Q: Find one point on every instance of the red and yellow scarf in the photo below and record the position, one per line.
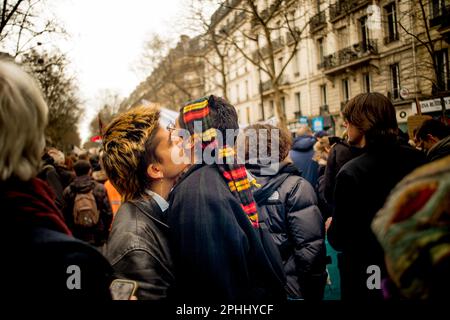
(234, 174)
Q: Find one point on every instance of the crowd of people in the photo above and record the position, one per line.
(150, 208)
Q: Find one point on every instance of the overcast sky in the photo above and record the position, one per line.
(107, 37)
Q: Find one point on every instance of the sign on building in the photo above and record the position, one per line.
(432, 105)
(303, 120)
(317, 124)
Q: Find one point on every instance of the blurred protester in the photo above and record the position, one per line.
(137, 158)
(115, 199)
(433, 137)
(340, 153)
(413, 228)
(288, 204)
(49, 174)
(87, 209)
(362, 186)
(66, 176)
(302, 153)
(321, 151)
(69, 162)
(220, 252)
(98, 174)
(43, 258)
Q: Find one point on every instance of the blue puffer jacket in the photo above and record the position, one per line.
(301, 154)
(288, 204)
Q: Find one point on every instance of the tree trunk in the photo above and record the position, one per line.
(224, 79)
(279, 108)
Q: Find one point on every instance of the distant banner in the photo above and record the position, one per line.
(96, 139)
(431, 105)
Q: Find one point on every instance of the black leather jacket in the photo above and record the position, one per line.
(138, 248)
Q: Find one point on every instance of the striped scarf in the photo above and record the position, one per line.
(235, 175)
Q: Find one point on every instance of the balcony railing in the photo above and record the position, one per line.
(297, 114)
(441, 17)
(349, 54)
(342, 7)
(278, 43)
(290, 35)
(324, 109)
(317, 22)
(267, 85)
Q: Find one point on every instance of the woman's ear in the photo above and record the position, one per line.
(154, 171)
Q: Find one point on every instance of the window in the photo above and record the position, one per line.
(438, 8)
(345, 90)
(391, 19)
(248, 115)
(366, 82)
(323, 94)
(283, 105)
(320, 50)
(237, 93)
(343, 38)
(296, 67)
(246, 90)
(280, 64)
(443, 77)
(272, 110)
(298, 101)
(395, 81)
(364, 33)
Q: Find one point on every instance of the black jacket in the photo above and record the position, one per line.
(289, 204)
(340, 154)
(362, 187)
(439, 150)
(138, 248)
(42, 268)
(218, 255)
(98, 234)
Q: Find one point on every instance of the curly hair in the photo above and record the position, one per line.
(129, 146)
(284, 141)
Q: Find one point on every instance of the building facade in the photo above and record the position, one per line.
(348, 47)
(322, 53)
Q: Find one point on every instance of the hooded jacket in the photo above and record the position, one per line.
(289, 205)
(301, 154)
(98, 234)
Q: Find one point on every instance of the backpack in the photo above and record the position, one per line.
(85, 212)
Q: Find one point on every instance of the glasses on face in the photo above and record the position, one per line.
(173, 133)
(171, 127)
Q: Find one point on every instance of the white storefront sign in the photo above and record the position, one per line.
(431, 105)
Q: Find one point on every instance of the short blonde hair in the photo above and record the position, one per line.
(23, 118)
(57, 155)
(129, 146)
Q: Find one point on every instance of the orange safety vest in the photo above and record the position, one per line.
(115, 199)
